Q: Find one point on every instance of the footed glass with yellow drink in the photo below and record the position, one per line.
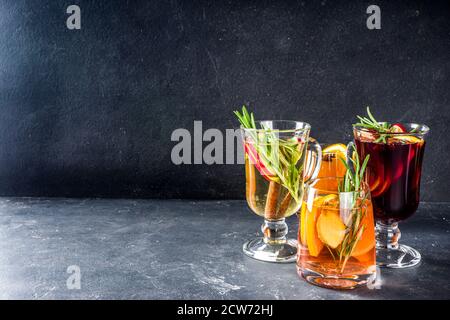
(275, 160)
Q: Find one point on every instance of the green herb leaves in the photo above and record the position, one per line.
(352, 179)
(382, 128)
(351, 187)
(279, 156)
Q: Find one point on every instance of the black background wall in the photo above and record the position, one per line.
(90, 112)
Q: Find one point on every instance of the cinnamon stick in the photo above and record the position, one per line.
(284, 205)
(270, 211)
(251, 185)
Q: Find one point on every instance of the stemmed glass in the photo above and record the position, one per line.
(393, 174)
(275, 154)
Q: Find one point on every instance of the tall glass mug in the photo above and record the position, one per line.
(275, 172)
(336, 236)
(393, 174)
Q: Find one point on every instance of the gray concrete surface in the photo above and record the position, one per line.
(152, 249)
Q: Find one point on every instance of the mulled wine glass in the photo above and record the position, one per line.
(393, 174)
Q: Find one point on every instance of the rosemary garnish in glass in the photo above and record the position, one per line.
(350, 192)
(279, 157)
(382, 128)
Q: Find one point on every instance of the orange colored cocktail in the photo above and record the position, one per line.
(336, 236)
(332, 156)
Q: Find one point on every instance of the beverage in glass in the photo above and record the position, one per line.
(336, 235)
(393, 173)
(275, 155)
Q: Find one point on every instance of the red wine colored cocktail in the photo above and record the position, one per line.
(393, 173)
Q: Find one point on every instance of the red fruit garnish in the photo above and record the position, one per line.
(398, 128)
(256, 161)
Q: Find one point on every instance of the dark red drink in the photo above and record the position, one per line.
(393, 173)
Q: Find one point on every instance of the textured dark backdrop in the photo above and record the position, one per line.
(90, 112)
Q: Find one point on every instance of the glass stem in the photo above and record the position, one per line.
(387, 235)
(274, 231)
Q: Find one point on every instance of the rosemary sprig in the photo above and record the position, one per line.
(352, 179)
(279, 156)
(352, 183)
(383, 128)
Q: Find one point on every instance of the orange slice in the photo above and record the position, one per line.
(308, 226)
(406, 139)
(332, 166)
(303, 220)
(312, 239)
(330, 228)
(336, 148)
(378, 183)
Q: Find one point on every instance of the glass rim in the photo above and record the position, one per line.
(424, 129)
(306, 126)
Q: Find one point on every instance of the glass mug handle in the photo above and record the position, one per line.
(313, 160)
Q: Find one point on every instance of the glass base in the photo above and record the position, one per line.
(282, 253)
(398, 258)
(334, 282)
(391, 254)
